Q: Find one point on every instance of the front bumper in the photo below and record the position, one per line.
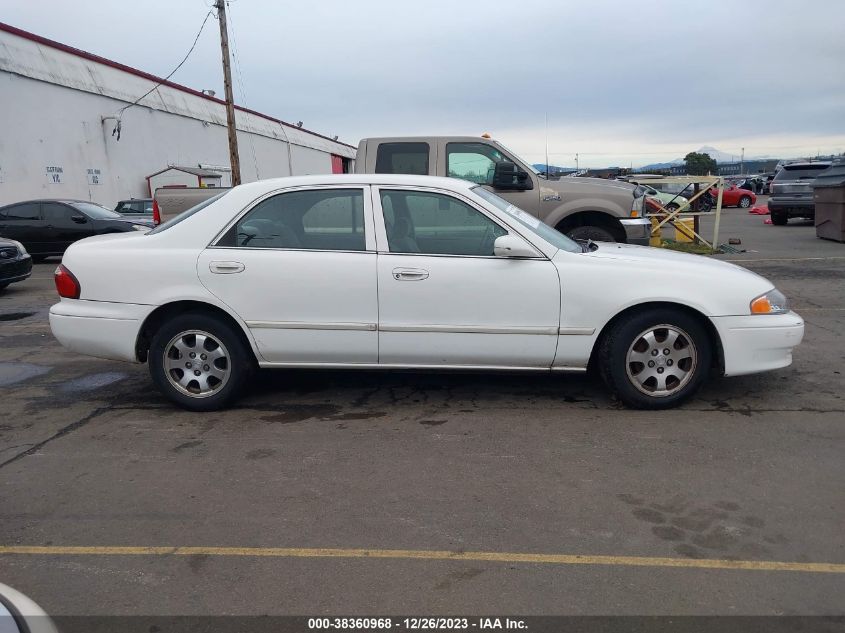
(15, 270)
(99, 328)
(637, 230)
(759, 342)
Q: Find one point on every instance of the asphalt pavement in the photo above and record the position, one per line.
(378, 493)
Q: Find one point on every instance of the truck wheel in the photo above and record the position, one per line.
(199, 362)
(655, 359)
(779, 218)
(745, 202)
(595, 233)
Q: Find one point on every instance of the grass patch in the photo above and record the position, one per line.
(687, 247)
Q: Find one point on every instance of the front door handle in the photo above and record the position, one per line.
(226, 268)
(409, 274)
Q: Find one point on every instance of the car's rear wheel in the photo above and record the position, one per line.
(745, 202)
(199, 361)
(595, 233)
(779, 217)
(656, 358)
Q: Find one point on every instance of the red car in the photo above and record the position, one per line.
(733, 196)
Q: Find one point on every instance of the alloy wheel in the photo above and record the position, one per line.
(661, 360)
(196, 363)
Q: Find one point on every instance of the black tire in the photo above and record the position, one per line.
(745, 202)
(37, 259)
(780, 218)
(3, 287)
(672, 206)
(625, 335)
(595, 233)
(238, 367)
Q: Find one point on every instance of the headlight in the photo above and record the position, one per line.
(20, 246)
(773, 302)
(140, 227)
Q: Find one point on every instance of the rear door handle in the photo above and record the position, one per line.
(226, 268)
(409, 274)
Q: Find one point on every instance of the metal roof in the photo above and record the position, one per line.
(37, 57)
(196, 171)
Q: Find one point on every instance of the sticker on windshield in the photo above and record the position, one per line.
(519, 214)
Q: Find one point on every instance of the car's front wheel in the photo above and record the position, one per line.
(655, 359)
(594, 233)
(199, 361)
(745, 202)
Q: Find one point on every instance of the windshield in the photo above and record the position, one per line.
(95, 211)
(521, 160)
(553, 237)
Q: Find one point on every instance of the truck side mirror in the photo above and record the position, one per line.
(509, 176)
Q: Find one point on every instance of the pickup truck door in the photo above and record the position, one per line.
(445, 299)
(475, 160)
(299, 267)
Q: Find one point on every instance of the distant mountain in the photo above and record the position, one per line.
(553, 169)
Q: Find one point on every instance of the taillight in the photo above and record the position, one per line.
(156, 213)
(67, 284)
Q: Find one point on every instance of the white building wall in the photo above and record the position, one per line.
(52, 132)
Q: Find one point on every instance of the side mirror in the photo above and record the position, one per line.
(19, 614)
(508, 176)
(512, 246)
(79, 218)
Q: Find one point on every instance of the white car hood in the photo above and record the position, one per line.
(620, 275)
(669, 260)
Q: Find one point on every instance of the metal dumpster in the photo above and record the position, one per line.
(829, 197)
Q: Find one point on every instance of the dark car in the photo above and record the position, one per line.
(136, 208)
(792, 191)
(48, 227)
(15, 262)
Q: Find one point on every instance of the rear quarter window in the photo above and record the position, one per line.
(402, 158)
(187, 213)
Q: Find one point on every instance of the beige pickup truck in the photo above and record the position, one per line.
(583, 208)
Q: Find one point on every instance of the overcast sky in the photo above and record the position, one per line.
(621, 82)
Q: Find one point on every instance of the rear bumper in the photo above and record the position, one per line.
(758, 343)
(99, 328)
(637, 230)
(795, 207)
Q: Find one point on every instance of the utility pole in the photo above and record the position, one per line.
(577, 168)
(220, 5)
(742, 163)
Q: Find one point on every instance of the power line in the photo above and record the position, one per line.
(173, 72)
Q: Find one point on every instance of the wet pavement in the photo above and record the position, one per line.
(751, 469)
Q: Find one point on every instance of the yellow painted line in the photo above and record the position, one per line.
(497, 557)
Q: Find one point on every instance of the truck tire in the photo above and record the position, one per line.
(595, 233)
(780, 218)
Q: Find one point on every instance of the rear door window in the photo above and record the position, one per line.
(25, 211)
(402, 158)
(322, 219)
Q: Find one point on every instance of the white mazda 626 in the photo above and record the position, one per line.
(388, 271)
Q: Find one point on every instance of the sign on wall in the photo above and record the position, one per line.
(54, 175)
(94, 176)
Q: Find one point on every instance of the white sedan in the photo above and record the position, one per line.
(394, 272)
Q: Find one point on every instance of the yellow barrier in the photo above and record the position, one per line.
(684, 228)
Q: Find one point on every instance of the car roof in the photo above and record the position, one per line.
(808, 164)
(452, 184)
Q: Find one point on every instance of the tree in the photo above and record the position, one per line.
(699, 164)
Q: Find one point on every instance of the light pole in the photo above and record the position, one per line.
(577, 168)
(742, 163)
